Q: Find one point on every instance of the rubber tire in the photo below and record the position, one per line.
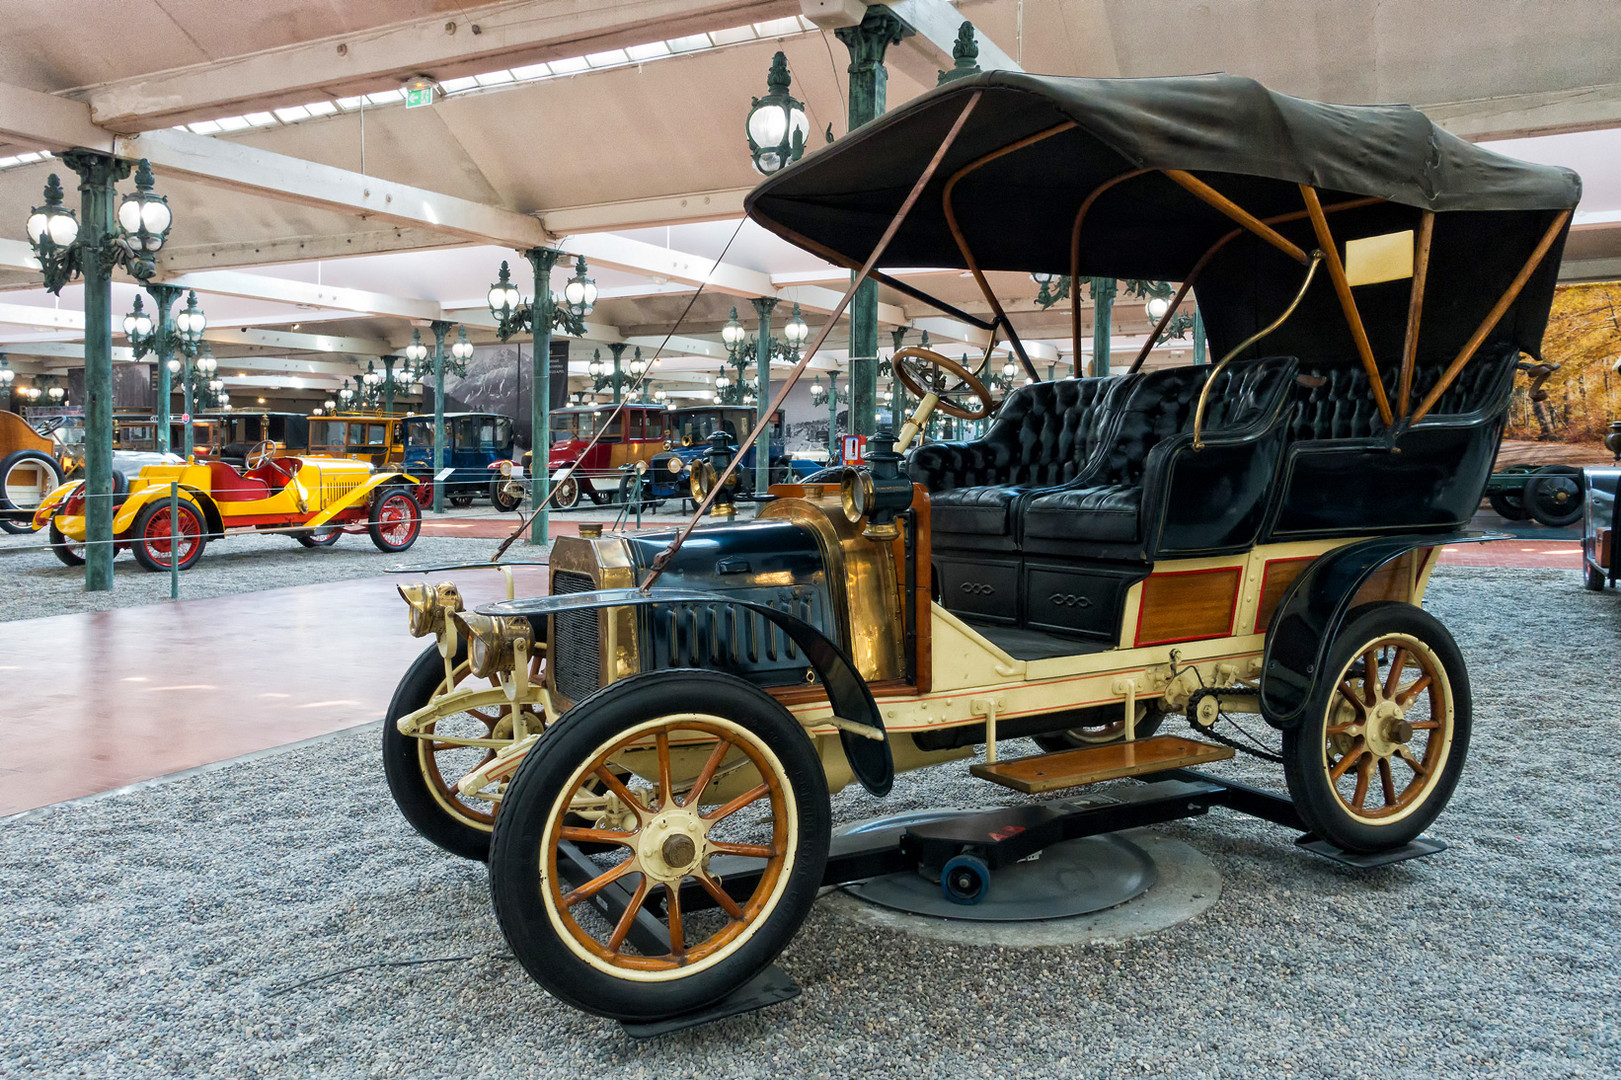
(17, 457)
(318, 538)
(160, 508)
(1552, 517)
(1313, 796)
(1059, 741)
(1508, 506)
(1594, 578)
(374, 526)
(515, 851)
(461, 502)
(62, 548)
(500, 501)
(16, 528)
(403, 772)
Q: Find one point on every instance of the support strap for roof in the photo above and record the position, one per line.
(1415, 309)
(1254, 224)
(962, 242)
(1342, 288)
(1466, 353)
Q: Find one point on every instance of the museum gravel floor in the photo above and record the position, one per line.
(175, 929)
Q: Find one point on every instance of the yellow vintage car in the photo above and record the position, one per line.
(313, 499)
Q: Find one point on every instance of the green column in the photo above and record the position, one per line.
(388, 384)
(440, 328)
(540, 324)
(762, 370)
(97, 175)
(189, 445)
(618, 377)
(867, 43)
(164, 298)
(1103, 290)
(832, 416)
(1198, 336)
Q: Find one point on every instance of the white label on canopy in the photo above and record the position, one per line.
(1373, 259)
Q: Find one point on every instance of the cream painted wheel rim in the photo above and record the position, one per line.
(1386, 740)
(438, 756)
(668, 846)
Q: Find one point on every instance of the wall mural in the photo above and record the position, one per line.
(1584, 395)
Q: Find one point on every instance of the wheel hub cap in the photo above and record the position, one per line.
(1387, 729)
(671, 845)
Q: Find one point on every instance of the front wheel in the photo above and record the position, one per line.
(396, 520)
(724, 785)
(159, 539)
(503, 499)
(67, 552)
(566, 494)
(1384, 739)
(1508, 505)
(1553, 495)
(319, 538)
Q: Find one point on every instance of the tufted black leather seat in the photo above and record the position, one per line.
(1128, 481)
(1042, 438)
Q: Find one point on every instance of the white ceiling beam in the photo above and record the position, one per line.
(1516, 116)
(485, 39)
(44, 317)
(281, 339)
(817, 298)
(640, 257)
(236, 167)
(642, 213)
(284, 290)
(937, 23)
(71, 350)
(677, 345)
(17, 255)
(48, 122)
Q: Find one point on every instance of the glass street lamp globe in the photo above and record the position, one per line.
(733, 333)
(329, 404)
(53, 222)
(503, 295)
(56, 394)
(1009, 370)
(796, 331)
(1156, 307)
(173, 364)
(137, 324)
(1043, 278)
(776, 125)
(208, 365)
(462, 349)
(416, 352)
(143, 216)
(6, 374)
(580, 292)
(818, 391)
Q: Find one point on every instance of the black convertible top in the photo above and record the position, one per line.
(1250, 144)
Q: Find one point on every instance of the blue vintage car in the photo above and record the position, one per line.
(670, 473)
(474, 441)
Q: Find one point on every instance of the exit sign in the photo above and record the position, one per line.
(415, 97)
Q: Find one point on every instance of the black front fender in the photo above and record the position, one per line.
(847, 692)
(1315, 607)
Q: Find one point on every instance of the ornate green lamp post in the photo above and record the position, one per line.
(776, 124)
(831, 393)
(164, 340)
(128, 236)
(540, 316)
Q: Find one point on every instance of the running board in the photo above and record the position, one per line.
(1094, 764)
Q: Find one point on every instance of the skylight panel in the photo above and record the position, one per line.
(777, 27)
(292, 114)
(607, 59)
(733, 36)
(651, 51)
(205, 127)
(321, 108)
(494, 78)
(260, 119)
(691, 43)
(385, 97)
(570, 65)
(531, 71)
(233, 123)
(451, 86)
(348, 103)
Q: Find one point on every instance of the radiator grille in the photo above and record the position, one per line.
(576, 652)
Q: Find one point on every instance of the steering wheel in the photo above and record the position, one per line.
(929, 389)
(263, 453)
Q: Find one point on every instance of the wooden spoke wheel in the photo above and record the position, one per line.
(1105, 725)
(423, 771)
(566, 494)
(1379, 753)
(723, 781)
(396, 520)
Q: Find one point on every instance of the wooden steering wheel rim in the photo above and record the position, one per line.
(939, 360)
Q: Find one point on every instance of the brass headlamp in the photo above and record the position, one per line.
(427, 606)
(879, 493)
(493, 641)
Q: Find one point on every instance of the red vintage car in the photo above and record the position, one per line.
(635, 435)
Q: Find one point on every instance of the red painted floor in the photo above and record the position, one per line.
(101, 700)
(93, 705)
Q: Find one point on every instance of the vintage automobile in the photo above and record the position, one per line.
(139, 434)
(475, 442)
(645, 756)
(669, 474)
(314, 500)
(1601, 518)
(238, 431)
(609, 438)
(372, 437)
(32, 465)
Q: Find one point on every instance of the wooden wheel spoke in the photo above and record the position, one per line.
(727, 810)
(672, 905)
(1349, 693)
(617, 786)
(1411, 758)
(666, 796)
(1354, 727)
(1405, 695)
(753, 851)
(715, 758)
(484, 718)
(720, 895)
(600, 882)
(1387, 781)
(626, 920)
(1397, 661)
(1352, 756)
(1426, 725)
(1370, 675)
(1360, 797)
(579, 834)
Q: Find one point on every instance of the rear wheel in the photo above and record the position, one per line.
(643, 929)
(1508, 505)
(504, 499)
(566, 494)
(319, 538)
(1553, 495)
(461, 501)
(1105, 730)
(26, 477)
(396, 520)
(1383, 742)
(156, 538)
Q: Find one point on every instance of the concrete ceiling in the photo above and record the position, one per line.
(651, 154)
